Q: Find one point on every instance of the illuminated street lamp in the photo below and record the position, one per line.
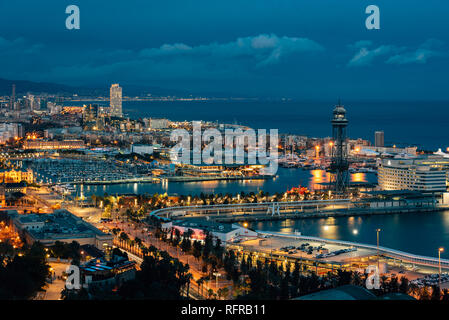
(216, 274)
(439, 267)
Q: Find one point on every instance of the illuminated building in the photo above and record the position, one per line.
(16, 176)
(116, 100)
(60, 226)
(419, 174)
(10, 131)
(90, 113)
(53, 145)
(225, 232)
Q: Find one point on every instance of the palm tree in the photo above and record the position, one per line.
(188, 278)
(210, 293)
(200, 282)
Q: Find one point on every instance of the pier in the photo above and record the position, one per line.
(293, 210)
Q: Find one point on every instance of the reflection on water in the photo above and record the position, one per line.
(318, 177)
(358, 177)
(321, 176)
(287, 178)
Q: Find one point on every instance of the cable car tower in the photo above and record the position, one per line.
(339, 162)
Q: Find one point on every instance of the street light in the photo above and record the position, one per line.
(216, 274)
(439, 267)
(378, 256)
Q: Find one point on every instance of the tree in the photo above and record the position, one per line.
(186, 245)
(123, 236)
(424, 293)
(436, 293)
(25, 274)
(200, 282)
(404, 287)
(210, 293)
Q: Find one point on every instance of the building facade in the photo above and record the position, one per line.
(62, 226)
(53, 145)
(417, 174)
(116, 100)
(16, 176)
(379, 139)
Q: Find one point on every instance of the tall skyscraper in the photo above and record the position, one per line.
(379, 138)
(12, 99)
(116, 100)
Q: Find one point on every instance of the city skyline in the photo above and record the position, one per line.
(251, 151)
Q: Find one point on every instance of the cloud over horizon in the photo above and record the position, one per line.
(365, 53)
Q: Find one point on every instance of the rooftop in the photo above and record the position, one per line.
(347, 292)
(205, 225)
(59, 225)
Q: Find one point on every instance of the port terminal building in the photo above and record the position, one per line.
(424, 174)
(223, 231)
(62, 226)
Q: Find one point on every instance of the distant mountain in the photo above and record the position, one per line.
(24, 86)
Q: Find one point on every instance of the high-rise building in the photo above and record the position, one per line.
(116, 100)
(90, 113)
(13, 98)
(379, 139)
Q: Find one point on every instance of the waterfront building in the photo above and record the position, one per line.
(62, 226)
(424, 174)
(116, 100)
(386, 151)
(16, 176)
(379, 139)
(15, 187)
(225, 232)
(53, 145)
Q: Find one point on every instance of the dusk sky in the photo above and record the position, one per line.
(300, 49)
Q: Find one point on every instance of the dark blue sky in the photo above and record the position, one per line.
(301, 49)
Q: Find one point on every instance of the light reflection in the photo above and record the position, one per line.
(329, 231)
(358, 177)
